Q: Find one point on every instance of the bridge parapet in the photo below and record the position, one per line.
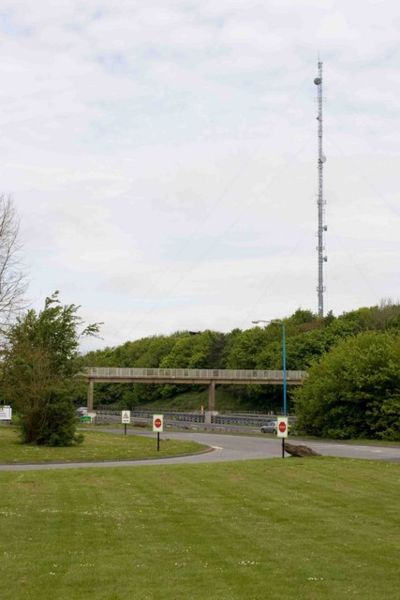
(209, 377)
(155, 375)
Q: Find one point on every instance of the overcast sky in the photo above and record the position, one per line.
(162, 156)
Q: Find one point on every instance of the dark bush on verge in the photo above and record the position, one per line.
(353, 391)
(53, 426)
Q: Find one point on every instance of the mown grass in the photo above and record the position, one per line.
(96, 446)
(297, 529)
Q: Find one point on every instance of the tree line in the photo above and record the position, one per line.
(353, 388)
(353, 362)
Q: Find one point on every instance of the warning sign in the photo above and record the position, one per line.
(126, 417)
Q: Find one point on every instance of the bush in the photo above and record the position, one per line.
(354, 390)
(53, 426)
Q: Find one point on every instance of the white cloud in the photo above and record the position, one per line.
(162, 156)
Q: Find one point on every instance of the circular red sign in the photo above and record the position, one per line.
(282, 426)
(157, 423)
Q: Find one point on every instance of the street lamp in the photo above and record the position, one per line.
(282, 324)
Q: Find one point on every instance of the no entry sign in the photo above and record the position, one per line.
(158, 423)
(282, 428)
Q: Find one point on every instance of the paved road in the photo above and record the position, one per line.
(228, 448)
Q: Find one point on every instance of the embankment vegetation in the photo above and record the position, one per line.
(352, 360)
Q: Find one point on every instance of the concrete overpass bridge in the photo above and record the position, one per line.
(209, 377)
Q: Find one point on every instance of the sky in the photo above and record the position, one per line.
(162, 157)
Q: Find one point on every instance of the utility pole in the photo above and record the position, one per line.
(321, 226)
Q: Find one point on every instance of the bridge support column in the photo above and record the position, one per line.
(90, 395)
(211, 396)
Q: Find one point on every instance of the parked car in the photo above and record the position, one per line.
(269, 427)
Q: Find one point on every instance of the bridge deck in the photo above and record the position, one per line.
(206, 376)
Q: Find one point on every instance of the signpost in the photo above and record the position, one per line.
(158, 427)
(125, 419)
(282, 431)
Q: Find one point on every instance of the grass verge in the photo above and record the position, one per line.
(297, 529)
(95, 447)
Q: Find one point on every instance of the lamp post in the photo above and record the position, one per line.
(282, 324)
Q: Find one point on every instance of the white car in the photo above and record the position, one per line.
(269, 427)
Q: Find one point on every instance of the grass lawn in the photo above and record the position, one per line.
(96, 446)
(299, 529)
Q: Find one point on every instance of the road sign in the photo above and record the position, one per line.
(126, 416)
(5, 413)
(158, 423)
(282, 428)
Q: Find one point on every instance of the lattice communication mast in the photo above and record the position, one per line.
(321, 226)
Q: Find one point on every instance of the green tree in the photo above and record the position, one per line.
(40, 362)
(354, 390)
(192, 351)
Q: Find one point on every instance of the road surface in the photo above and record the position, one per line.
(227, 448)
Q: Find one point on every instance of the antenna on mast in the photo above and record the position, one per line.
(321, 227)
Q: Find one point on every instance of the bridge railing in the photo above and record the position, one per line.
(206, 374)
